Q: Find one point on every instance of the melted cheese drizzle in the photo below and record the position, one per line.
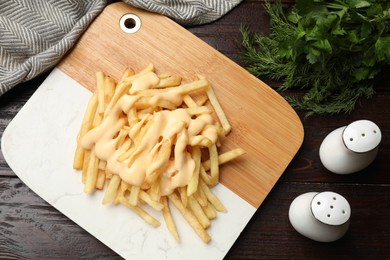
(176, 126)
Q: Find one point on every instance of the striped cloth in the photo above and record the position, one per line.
(34, 35)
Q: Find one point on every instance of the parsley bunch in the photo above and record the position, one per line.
(333, 49)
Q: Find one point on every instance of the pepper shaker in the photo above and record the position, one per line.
(321, 216)
(351, 148)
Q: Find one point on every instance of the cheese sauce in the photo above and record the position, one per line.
(177, 126)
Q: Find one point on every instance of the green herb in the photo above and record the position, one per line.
(333, 50)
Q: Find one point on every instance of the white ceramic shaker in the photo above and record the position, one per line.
(350, 148)
(321, 216)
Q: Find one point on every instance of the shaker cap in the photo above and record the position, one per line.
(330, 208)
(362, 136)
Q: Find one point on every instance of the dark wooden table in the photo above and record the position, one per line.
(32, 229)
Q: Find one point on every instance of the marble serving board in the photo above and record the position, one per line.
(40, 141)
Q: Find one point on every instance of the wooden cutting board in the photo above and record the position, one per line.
(263, 124)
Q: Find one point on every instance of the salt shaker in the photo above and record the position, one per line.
(321, 216)
(350, 148)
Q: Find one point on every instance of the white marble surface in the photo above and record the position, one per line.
(39, 145)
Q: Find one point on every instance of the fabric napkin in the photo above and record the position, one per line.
(34, 35)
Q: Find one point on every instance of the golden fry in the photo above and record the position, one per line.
(192, 186)
(187, 99)
(191, 219)
(198, 110)
(85, 127)
(212, 198)
(183, 195)
(101, 179)
(87, 155)
(214, 165)
(224, 158)
(111, 190)
(169, 219)
(134, 191)
(100, 89)
(169, 81)
(148, 200)
(218, 109)
(198, 212)
(210, 211)
(92, 172)
(141, 212)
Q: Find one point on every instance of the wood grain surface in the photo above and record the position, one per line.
(263, 123)
(32, 229)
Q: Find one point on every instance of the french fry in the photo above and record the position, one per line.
(200, 140)
(111, 190)
(198, 212)
(160, 162)
(198, 110)
(154, 191)
(85, 127)
(210, 211)
(109, 90)
(87, 155)
(168, 81)
(100, 89)
(169, 219)
(148, 200)
(214, 165)
(191, 219)
(187, 99)
(141, 212)
(120, 90)
(123, 187)
(124, 86)
(134, 192)
(92, 172)
(200, 196)
(192, 186)
(212, 198)
(126, 74)
(224, 158)
(200, 84)
(101, 179)
(218, 110)
(183, 195)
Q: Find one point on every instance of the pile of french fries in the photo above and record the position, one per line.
(196, 200)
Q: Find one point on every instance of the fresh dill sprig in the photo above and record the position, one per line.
(331, 49)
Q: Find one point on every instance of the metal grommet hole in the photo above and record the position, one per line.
(130, 23)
